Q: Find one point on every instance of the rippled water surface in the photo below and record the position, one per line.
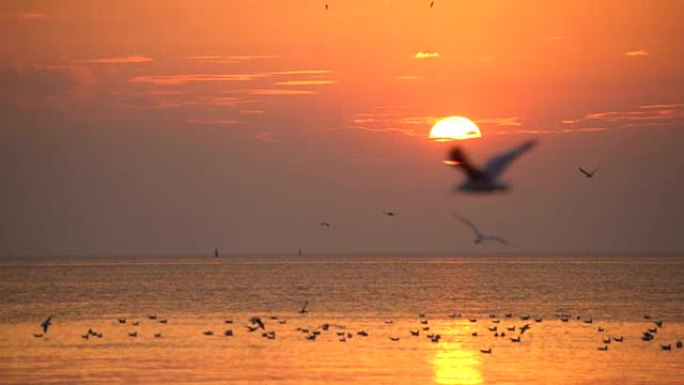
(381, 295)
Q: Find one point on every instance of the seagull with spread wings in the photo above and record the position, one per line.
(486, 180)
(480, 237)
(587, 173)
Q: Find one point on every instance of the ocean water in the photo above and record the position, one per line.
(383, 296)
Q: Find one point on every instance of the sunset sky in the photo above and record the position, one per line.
(173, 127)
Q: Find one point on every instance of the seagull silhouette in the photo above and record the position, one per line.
(46, 324)
(432, 4)
(390, 213)
(304, 309)
(587, 173)
(486, 180)
(326, 6)
(480, 237)
(324, 224)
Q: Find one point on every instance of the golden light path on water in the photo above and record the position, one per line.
(455, 365)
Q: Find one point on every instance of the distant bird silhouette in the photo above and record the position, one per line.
(486, 351)
(228, 333)
(163, 321)
(618, 339)
(603, 348)
(394, 338)
(133, 334)
(390, 213)
(362, 333)
(152, 317)
(157, 335)
(257, 321)
(326, 6)
(136, 323)
(659, 323)
(304, 309)
(480, 237)
(666, 347)
(601, 329)
(587, 173)
(122, 320)
(228, 321)
(432, 4)
(415, 332)
(46, 324)
(516, 339)
(486, 180)
(679, 344)
(208, 333)
(474, 334)
(324, 224)
(38, 335)
(282, 322)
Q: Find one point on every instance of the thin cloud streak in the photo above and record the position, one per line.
(280, 92)
(118, 60)
(305, 82)
(640, 52)
(212, 122)
(426, 55)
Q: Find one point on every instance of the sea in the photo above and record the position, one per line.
(342, 320)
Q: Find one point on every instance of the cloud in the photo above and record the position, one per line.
(426, 55)
(408, 77)
(298, 72)
(280, 92)
(266, 136)
(212, 122)
(648, 115)
(305, 82)
(226, 59)
(508, 121)
(29, 16)
(194, 78)
(31, 85)
(119, 60)
(251, 112)
(640, 52)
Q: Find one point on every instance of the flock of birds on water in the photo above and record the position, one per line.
(513, 332)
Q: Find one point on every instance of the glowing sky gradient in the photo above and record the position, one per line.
(179, 126)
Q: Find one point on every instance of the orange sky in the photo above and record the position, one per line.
(222, 92)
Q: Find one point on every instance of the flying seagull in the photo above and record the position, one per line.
(480, 237)
(46, 324)
(390, 213)
(432, 3)
(324, 224)
(587, 173)
(486, 180)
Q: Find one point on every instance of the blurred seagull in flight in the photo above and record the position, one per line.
(587, 173)
(390, 213)
(324, 224)
(486, 180)
(480, 237)
(432, 4)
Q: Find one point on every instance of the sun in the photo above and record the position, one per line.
(454, 128)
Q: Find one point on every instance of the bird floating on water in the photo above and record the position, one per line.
(46, 324)
(486, 180)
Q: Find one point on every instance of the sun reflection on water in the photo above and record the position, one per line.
(454, 365)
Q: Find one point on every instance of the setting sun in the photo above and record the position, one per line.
(454, 128)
